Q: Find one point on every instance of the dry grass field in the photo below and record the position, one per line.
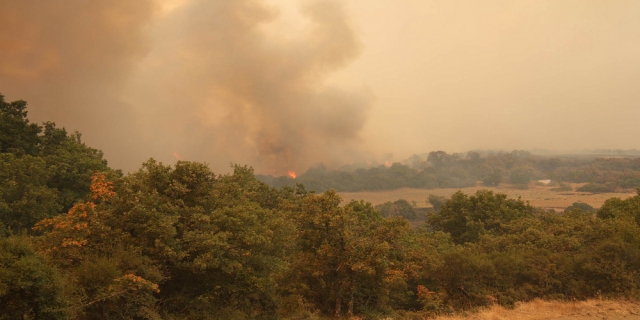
(548, 310)
(537, 195)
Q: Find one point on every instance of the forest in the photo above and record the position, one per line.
(79, 240)
(441, 170)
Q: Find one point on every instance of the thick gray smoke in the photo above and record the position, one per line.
(207, 81)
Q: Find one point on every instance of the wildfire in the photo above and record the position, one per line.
(387, 164)
(292, 174)
(177, 156)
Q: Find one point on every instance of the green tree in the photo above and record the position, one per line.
(436, 201)
(43, 170)
(17, 135)
(109, 277)
(581, 206)
(466, 218)
(399, 208)
(25, 197)
(71, 164)
(221, 239)
(493, 178)
(29, 287)
(347, 257)
(618, 208)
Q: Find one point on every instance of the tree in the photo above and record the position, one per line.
(399, 208)
(43, 170)
(580, 206)
(29, 287)
(25, 197)
(438, 158)
(621, 209)
(71, 164)
(436, 201)
(220, 239)
(110, 279)
(519, 178)
(466, 218)
(492, 179)
(345, 255)
(17, 135)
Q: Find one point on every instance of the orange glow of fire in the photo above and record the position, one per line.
(177, 156)
(292, 174)
(387, 164)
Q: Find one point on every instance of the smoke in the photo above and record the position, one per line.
(70, 60)
(212, 81)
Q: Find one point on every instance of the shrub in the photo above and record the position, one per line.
(597, 188)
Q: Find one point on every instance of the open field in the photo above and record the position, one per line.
(551, 310)
(537, 195)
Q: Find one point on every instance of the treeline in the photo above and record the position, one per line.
(180, 242)
(442, 170)
(43, 169)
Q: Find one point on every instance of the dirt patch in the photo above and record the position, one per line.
(539, 196)
(552, 310)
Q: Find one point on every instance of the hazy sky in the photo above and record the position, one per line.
(285, 84)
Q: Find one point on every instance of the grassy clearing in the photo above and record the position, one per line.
(539, 196)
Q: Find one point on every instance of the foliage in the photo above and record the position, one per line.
(492, 179)
(346, 256)
(29, 287)
(581, 206)
(81, 241)
(467, 218)
(399, 208)
(439, 169)
(597, 188)
(17, 135)
(43, 170)
(436, 201)
(25, 197)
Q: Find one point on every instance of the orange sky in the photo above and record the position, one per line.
(285, 84)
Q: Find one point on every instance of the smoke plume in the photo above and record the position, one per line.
(211, 81)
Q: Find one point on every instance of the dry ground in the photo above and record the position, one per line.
(548, 310)
(537, 195)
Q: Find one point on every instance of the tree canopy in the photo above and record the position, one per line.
(79, 240)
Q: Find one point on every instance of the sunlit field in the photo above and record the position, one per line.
(537, 195)
(546, 310)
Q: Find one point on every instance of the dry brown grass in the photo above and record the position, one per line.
(539, 196)
(544, 310)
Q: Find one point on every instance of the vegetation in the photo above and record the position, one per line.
(399, 208)
(567, 310)
(442, 170)
(82, 241)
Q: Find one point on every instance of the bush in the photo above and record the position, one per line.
(519, 178)
(597, 188)
(29, 287)
(492, 179)
(580, 206)
(562, 188)
(399, 208)
(436, 201)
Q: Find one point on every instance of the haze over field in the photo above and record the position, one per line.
(285, 84)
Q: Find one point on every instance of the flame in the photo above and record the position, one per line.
(292, 174)
(177, 156)
(387, 164)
